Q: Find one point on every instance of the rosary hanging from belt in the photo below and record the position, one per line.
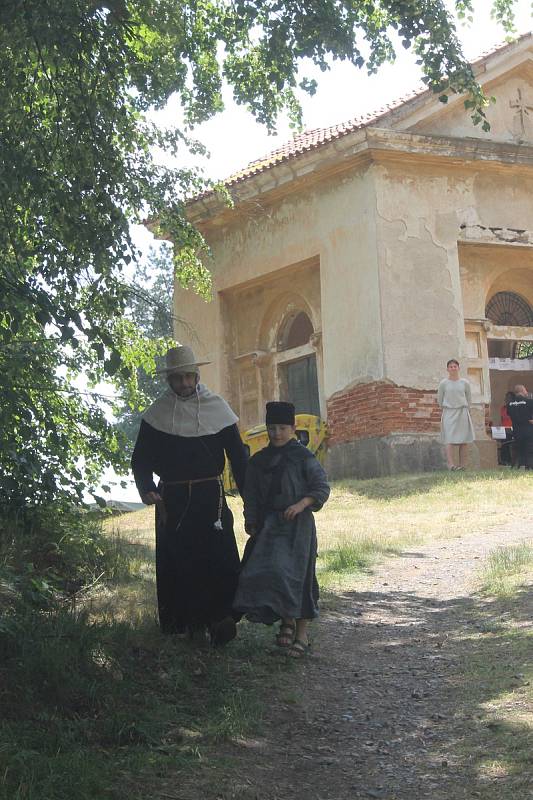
(218, 524)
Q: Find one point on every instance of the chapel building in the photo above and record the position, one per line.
(357, 259)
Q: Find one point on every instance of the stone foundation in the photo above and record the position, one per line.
(400, 452)
(381, 429)
(387, 455)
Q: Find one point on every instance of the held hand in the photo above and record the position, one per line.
(150, 498)
(292, 511)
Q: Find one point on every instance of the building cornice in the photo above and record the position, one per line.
(385, 143)
(282, 179)
(371, 145)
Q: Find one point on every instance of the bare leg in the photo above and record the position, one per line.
(449, 455)
(301, 630)
(301, 640)
(463, 449)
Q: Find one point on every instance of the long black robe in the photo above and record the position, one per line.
(197, 566)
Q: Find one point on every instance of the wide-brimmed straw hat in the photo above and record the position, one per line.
(181, 359)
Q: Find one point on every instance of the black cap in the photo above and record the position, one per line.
(279, 413)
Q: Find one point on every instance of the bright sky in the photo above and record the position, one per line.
(234, 138)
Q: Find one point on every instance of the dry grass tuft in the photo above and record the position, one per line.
(365, 520)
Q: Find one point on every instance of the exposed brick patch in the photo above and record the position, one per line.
(381, 408)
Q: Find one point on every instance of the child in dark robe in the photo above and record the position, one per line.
(284, 485)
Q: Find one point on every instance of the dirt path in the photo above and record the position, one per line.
(384, 707)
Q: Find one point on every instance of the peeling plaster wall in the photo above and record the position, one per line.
(503, 198)
(333, 222)
(429, 282)
(417, 229)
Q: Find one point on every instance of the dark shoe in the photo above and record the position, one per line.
(223, 632)
(173, 630)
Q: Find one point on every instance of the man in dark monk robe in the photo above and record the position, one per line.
(183, 438)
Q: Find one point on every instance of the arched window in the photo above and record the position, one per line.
(508, 308)
(295, 331)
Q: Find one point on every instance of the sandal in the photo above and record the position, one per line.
(298, 649)
(285, 635)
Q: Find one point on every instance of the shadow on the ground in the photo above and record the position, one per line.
(405, 698)
(445, 672)
(409, 554)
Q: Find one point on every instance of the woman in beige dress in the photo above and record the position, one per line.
(454, 397)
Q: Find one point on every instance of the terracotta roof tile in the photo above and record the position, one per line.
(311, 139)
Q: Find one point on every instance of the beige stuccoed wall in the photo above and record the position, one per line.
(332, 223)
(425, 294)
(418, 218)
(197, 323)
(507, 124)
(350, 289)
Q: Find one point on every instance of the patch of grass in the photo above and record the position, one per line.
(126, 558)
(97, 704)
(498, 676)
(336, 567)
(419, 507)
(507, 569)
(365, 520)
(106, 709)
(498, 681)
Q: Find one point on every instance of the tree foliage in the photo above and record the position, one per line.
(77, 168)
(150, 306)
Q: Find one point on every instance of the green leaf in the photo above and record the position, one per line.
(112, 364)
(66, 333)
(43, 317)
(79, 83)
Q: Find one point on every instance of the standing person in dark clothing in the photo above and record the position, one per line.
(285, 484)
(183, 439)
(520, 409)
(505, 455)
